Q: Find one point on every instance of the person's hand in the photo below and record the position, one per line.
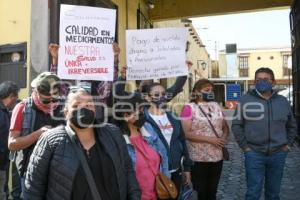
(219, 142)
(187, 180)
(226, 139)
(189, 64)
(286, 148)
(124, 72)
(53, 49)
(40, 131)
(247, 149)
(116, 49)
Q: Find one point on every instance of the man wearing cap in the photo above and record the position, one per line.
(33, 116)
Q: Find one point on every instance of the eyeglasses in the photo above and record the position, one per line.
(47, 101)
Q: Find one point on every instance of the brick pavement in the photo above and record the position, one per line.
(233, 186)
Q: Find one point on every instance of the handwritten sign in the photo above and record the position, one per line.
(86, 38)
(156, 53)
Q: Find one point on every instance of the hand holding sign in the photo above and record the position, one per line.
(53, 50)
(116, 49)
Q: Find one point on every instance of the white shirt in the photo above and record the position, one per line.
(165, 126)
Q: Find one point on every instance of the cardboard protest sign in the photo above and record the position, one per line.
(86, 38)
(156, 53)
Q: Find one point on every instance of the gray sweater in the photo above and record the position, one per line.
(264, 125)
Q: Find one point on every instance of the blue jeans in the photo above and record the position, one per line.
(262, 168)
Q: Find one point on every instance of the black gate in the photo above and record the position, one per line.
(295, 37)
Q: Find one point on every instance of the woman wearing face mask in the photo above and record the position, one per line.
(148, 155)
(168, 129)
(205, 148)
(57, 171)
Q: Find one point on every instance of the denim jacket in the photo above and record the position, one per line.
(154, 141)
(177, 152)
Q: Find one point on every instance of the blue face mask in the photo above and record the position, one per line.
(263, 86)
(209, 96)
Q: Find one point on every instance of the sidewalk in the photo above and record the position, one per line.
(233, 185)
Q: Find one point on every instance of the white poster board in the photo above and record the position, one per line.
(86, 37)
(156, 53)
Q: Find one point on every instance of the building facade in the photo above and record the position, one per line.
(15, 17)
(249, 60)
(30, 25)
(246, 61)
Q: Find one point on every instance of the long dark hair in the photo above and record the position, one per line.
(122, 108)
(197, 87)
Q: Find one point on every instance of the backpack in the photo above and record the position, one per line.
(21, 157)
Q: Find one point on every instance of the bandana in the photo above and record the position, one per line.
(48, 109)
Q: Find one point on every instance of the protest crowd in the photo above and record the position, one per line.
(61, 147)
(93, 139)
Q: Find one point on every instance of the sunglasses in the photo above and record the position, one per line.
(47, 101)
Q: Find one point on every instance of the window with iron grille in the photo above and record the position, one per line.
(13, 63)
(243, 62)
(243, 66)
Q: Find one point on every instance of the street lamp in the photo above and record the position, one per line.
(203, 65)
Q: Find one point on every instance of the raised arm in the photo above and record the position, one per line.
(177, 87)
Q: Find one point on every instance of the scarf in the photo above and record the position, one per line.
(47, 109)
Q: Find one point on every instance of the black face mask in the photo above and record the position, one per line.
(82, 118)
(141, 121)
(160, 102)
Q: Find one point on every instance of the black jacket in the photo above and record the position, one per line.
(4, 129)
(53, 165)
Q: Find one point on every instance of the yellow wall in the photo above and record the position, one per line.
(265, 61)
(253, 63)
(15, 27)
